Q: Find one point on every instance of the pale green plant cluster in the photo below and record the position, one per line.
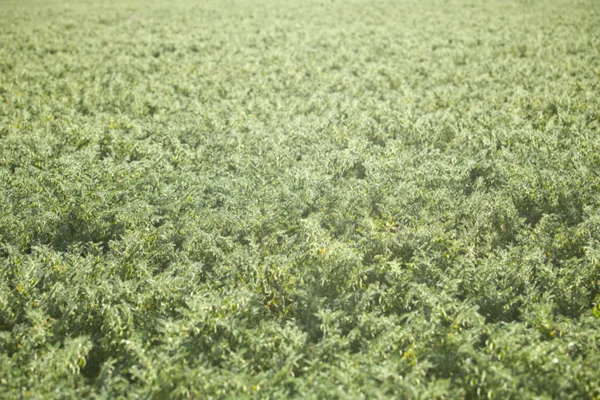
(307, 199)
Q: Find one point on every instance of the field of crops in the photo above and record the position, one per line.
(300, 199)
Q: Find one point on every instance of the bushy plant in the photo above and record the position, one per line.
(392, 199)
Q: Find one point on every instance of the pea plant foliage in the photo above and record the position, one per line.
(309, 199)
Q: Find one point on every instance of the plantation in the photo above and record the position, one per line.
(305, 199)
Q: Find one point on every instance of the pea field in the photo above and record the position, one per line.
(316, 199)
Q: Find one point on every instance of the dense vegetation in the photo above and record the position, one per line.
(318, 199)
